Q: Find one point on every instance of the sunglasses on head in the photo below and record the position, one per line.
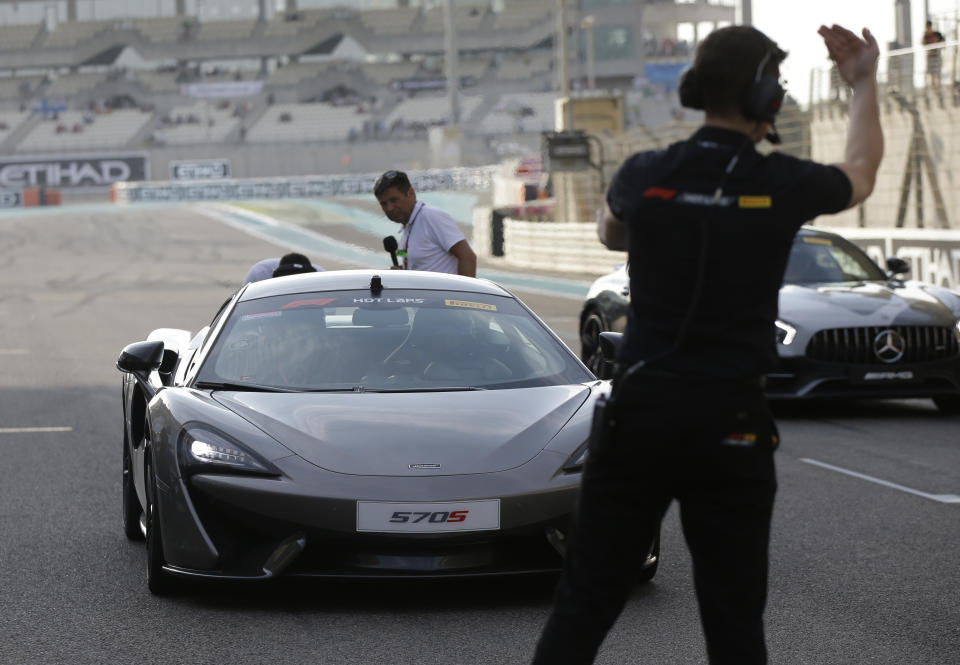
(386, 179)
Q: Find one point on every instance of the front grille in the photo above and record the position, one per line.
(855, 345)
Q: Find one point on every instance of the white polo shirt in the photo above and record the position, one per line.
(427, 238)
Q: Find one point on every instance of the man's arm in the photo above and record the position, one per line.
(856, 61)
(466, 259)
(611, 231)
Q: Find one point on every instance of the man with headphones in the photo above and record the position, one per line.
(708, 223)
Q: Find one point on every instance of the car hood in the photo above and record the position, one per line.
(386, 433)
(864, 304)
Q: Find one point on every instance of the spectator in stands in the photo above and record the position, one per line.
(934, 56)
(288, 264)
(430, 240)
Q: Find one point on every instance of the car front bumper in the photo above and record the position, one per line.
(304, 524)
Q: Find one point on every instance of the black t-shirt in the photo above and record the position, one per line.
(668, 201)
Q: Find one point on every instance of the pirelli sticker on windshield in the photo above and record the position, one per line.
(754, 201)
(812, 240)
(470, 305)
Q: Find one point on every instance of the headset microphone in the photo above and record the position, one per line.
(390, 244)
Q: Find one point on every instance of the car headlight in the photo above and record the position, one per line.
(203, 449)
(957, 327)
(575, 462)
(785, 332)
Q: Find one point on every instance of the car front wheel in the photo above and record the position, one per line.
(590, 331)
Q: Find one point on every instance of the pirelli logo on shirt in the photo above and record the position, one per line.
(756, 201)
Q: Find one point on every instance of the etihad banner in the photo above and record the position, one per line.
(72, 171)
(459, 179)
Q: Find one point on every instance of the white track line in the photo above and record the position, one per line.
(33, 430)
(941, 498)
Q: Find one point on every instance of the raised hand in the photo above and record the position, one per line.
(856, 58)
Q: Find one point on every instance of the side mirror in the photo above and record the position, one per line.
(141, 357)
(610, 345)
(897, 266)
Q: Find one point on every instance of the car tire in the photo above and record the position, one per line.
(651, 562)
(948, 404)
(159, 581)
(131, 510)
(590, 330)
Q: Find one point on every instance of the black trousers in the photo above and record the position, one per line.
(710, 447)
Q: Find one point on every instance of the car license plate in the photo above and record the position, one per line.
(395, 517)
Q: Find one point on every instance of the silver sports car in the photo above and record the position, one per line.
(347, 424)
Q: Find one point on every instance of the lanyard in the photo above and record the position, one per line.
(407, 229)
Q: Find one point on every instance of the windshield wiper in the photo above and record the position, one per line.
(250, 387)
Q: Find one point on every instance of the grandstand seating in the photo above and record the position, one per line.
(16, 37)
(10, 87)
(521, 112)
(384, 73)
(159, 82)
(226, 30)
(161, 30)
(67, 86)
(296, 72)
(430, 109)
(308, 122)
(279, 26)
(109, 130)
(69, 33)
(390, 21)
(465, 19)
(522, 14)
(10, 120)
(476, 67)
(200, 122)
(524, 67)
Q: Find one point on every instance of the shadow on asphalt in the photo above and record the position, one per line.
(884, 409)
(374, 595)
(495, 593)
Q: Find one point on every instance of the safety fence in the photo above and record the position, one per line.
(457, 179)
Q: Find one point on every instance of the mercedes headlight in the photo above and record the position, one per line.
(785, 332)
(203, 449)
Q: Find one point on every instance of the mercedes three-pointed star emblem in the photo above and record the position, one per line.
(889, 346)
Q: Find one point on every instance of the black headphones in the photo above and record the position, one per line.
(761, 100)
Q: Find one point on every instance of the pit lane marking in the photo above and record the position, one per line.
(33, 430)
(940, 498)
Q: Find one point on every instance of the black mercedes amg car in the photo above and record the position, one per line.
(846, 327)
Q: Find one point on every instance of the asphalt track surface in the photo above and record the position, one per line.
(862, 571)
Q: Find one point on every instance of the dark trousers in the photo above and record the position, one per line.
(710, 447)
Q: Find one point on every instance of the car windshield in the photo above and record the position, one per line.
(405, 341)
(828, 260)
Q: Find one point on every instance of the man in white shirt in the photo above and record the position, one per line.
(429, 239)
